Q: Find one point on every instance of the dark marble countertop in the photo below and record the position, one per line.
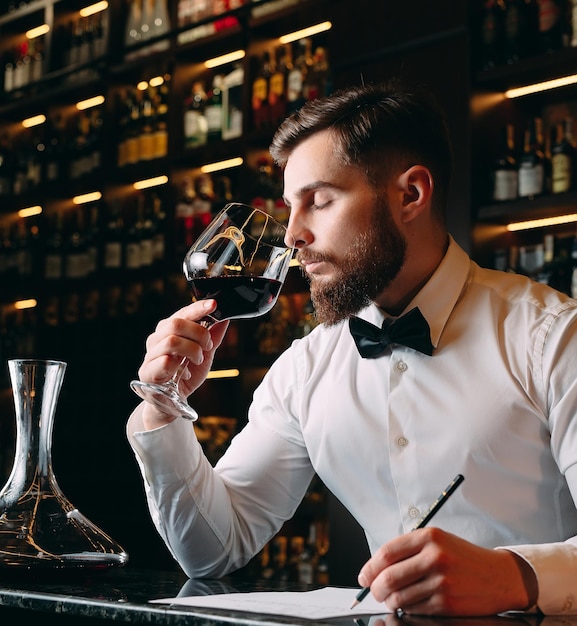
(123, 595)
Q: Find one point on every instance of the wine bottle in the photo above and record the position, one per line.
(232, 102)
(492, 34)
(195, 125)
(521, 29)
(259, 91)
(6, 170)
(159, 228)
(133, 130)
(54, 154)
(296, 79)
(184, 217)
(563, 158)
(92, 238)
(160, 24)
(113, 252)
(53, 252)
(531, 165)
(160, 132)
(145, 132)
(75, 253)
(213, 109)
(202, 203)
(505, 175)
(277, 87)
(133, 250)
(146, 233)
(552, 33)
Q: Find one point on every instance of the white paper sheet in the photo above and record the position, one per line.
(319, 604)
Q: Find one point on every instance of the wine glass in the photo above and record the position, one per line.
(241, 261)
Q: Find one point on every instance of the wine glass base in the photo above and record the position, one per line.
(165, 398)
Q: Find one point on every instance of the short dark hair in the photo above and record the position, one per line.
(376, 127)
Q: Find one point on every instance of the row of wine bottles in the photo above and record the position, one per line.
(149, 228)
(510, 30)
(545, 162)
(82, 243)
(552, 261)
(76, 42)
(50, 154)
(189, 12)
(71, 148)
(282, 79)
(88, 322)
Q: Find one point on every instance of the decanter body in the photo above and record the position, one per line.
(39, 526)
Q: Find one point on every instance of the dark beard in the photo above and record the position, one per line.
(368, 268)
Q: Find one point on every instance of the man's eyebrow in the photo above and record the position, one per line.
(306, 189)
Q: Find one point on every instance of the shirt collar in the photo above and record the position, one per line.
(438, 296)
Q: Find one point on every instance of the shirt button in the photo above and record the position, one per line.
(414, 512)
(402, 442)
(402, 366)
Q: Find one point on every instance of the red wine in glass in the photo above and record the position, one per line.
(237, 297)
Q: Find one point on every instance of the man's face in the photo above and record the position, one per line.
(348, 243)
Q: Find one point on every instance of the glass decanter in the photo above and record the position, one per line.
(39, 527)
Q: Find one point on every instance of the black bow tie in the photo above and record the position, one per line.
(411, 330)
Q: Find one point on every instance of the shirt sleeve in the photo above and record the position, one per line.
(555, 564)
(214, 520)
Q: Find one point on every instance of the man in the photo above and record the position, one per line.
(490, 392)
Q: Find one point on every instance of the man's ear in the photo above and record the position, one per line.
(416, 185)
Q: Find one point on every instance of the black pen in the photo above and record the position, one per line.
(437, 504)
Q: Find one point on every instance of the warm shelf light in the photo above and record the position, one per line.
(25, 304)
(225, 58)
(34, 121)
(540, 223)
(156, 81)
(90, 102)
(38, 31)
(30, 211)
(221, 165)
(232, 373)
(549, 84)
(94, 8)
(142, 85)
(151, 182)
(306, 32)
(93, 196)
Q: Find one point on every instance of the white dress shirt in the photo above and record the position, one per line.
(496, 402)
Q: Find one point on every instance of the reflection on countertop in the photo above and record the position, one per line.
(123, 595)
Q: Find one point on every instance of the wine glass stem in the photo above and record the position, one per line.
(173, 382)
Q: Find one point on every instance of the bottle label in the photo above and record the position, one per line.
(113, 255)
(294, 85)
(160, 143)
(561, 166)
(146, 146)
(531, 180)
(133, 260)
(146, 252)
(259, 93)
(132, 146)
(76, 265)
(506, 184)
(213, 115)
(549, 14)
(195, 129)
(53, 267)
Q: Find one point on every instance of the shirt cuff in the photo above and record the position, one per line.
(554, 565)
(169, 452)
